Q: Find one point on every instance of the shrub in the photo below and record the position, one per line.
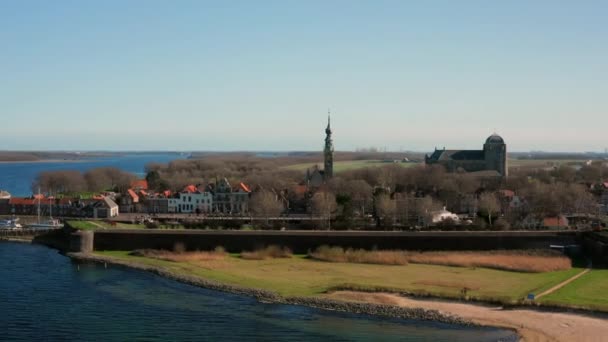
(338, 254)
(218, 254)
(179, 247)
(521, 261)
(152, 225)
(270, 252)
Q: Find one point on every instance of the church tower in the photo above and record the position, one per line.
(495, 153)
(328, 152)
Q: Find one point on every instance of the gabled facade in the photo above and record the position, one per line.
(192, 199)
(228, 200)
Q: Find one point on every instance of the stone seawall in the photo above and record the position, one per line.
(596, 246)
(302, 241)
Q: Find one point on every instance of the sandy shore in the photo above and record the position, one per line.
(530, 324)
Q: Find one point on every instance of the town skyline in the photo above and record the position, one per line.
(243, 76)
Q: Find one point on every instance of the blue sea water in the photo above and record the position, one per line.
(17, 178)
(46, 297)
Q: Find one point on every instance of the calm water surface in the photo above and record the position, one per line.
(44, 296)
(17, 178)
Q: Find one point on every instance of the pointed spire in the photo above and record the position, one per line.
(328, 129)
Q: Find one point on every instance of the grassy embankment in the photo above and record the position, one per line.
(589, 291)
(347, 165)
(301, 276)
(93, 225)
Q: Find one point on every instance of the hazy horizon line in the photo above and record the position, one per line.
(273, 151)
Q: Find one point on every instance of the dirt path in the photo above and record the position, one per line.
(530, 324)
(563, 283)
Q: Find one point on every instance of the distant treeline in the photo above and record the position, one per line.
(16, 156)
(68, 182)
(552, 156)
(35, 156)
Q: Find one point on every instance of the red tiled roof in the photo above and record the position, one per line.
(38, 196)
(22, 201)
(143, 192)
(167, 193)
(300, 189)
(140, 184)
(244, 187)
(190, 189)
(133, 195)
(555, 221)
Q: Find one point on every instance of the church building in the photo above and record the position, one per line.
(493, 157)
(316, 177)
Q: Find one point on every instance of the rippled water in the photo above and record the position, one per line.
(44, 296)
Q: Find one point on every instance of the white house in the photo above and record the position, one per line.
(442, 215)
(192, 200)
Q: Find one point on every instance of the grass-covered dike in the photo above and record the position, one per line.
(302, 276)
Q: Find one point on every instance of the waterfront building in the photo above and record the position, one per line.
(129, 202)
(193, 200)
(228, 200)
(104, 208)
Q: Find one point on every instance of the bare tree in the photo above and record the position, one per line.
(265, 203)
(59, 182)
(405, 206)
(360, 193)
(324, 204)
(489, 205)
(424, 208)
(386, 208)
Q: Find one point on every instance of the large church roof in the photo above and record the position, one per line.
(495, 139)
(457, 155)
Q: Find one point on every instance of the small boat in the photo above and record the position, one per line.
(47, 224)
(51, 223)
(10, 224)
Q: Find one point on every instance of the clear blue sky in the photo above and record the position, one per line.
(260, 75)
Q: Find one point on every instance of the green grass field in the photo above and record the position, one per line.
(299, 276)
(542, 163)
(589, 291)
(92, 225)
(347, 165)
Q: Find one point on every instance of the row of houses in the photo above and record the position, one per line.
(219, 197)
(97, 207)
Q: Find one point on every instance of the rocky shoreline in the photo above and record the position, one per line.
(271, 297)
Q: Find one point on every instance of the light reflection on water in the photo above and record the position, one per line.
(44, 296)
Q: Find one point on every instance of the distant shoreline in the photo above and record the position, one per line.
(42, 161)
